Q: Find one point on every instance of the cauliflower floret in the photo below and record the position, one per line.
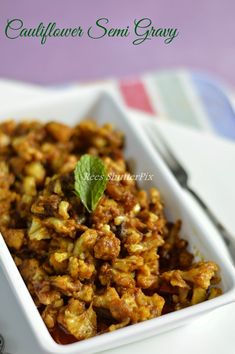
(107, 246)
(25, 147)
(199, 295)
(59, 261)
(147, 306)
(37, 231)
(4, 140)
(63, 209)
(31, 270)
(128, 264)
(197, 279)
(46, 205)
(78, 321)
(110, 275)
(45, 293)
(175, 278)
(66, 284)
(148, 242)
(145, 277)
(59, 131)
(85, 243)
(36, 170)
(6, 178)
(201, 274)
(14, 238)
(110, 300)
(66, 227)
(61, 244)
(133, 305)
(29, 185)
(214, 292)
(78, 268)
(86, 293)
(49, 316)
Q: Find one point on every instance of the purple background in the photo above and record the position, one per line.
(206, 40)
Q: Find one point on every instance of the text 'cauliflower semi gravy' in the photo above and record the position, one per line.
(92, 265)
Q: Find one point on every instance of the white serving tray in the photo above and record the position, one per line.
(70, 108)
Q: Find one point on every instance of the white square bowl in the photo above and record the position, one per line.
(70, 108)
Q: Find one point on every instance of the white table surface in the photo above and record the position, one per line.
(211, 164)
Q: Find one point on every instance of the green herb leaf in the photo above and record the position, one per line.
(90, 180)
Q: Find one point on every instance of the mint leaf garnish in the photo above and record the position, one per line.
(90, 180)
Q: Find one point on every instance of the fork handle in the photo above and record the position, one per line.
(223, 231)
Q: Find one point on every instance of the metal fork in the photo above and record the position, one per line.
(182, 177)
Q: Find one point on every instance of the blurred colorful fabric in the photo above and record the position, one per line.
(190, 98)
